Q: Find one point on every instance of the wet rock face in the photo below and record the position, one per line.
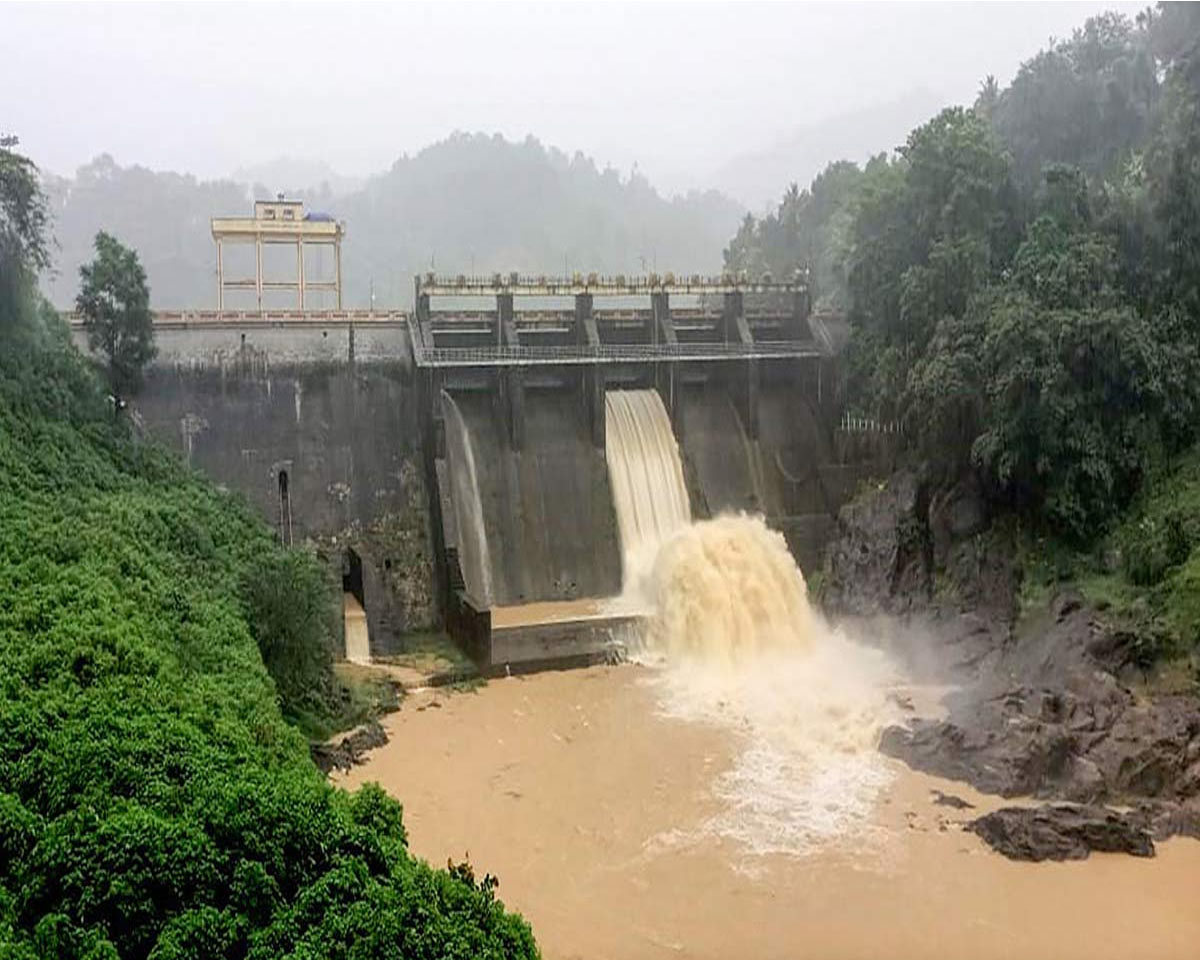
(880, 561)
(1041, 709)
(1057, 832)
(955, 514)
(901, 543)
(1048, 721)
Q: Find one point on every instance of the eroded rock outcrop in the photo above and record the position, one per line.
(1044, 708)
(1061, 832)
(349, 750)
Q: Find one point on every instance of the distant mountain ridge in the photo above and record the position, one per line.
(294, 174)
(757, 179)
(472, 202)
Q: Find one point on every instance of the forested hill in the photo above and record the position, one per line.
(1022, 280)
(471, 202)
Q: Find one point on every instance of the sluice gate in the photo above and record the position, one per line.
(530, 551)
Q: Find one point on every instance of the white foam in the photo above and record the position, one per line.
(737, 644)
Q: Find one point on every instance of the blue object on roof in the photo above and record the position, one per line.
(319, 217)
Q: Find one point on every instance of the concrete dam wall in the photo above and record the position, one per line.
(454, 463)
(549, 531)
(318, 427)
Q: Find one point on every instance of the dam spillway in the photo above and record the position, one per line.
(356, 426)
(646, 475)
(597, 431)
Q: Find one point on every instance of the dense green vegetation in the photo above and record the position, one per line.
(1021, 277)
(469, 203)
(114, 302)
(1023, 284)
(154, 801)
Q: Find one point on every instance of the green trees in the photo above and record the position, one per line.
(22, 211)
(290, 611)
(1088, 101)
(808, 229)
(115, 303)
(24, 248)
(154, 803)
(1023, 278)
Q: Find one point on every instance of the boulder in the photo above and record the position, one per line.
(349, 750)
(1061, 832)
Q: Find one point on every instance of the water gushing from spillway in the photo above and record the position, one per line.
(646, 476)
(739, 645)
(358, 640)
(474, 556)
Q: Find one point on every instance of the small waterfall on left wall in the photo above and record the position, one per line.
(358, 642)
(473, 554)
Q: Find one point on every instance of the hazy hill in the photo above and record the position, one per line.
(471, 202)
(297, 173)
(757, 179)
(165, 216)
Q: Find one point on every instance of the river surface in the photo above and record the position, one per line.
(624, 822)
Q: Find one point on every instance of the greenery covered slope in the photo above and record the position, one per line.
(1022, 279)
(153, 801)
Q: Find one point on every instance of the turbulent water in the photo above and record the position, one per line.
(739, 645)
(726, 799)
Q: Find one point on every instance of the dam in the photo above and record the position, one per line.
(456, 460)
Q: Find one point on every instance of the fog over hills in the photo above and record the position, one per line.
(471, 203)
(293, 173)
(758, 178)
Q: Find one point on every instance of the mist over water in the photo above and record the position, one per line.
(737, 644)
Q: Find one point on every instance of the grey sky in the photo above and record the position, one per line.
(677, 88)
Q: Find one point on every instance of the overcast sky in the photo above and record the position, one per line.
(678, 88)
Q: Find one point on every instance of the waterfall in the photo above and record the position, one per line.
(473, 554)
(646, 476)
(358, 641)
(729, 623)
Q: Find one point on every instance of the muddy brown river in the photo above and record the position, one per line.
(626, 820)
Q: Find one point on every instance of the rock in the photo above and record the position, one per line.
(880, 562)
(1045, 719)
(951, 801)
(348, 751)
(1058, 832)
(1151, 749)
(1011, 757)
(1168, 819)
(1066, 604)
(955, 514)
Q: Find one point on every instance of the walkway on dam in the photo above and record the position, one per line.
(518, 356)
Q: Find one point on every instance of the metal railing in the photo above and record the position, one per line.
(464, 285)
(605, 353)
(183, 318)
(854, 423)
